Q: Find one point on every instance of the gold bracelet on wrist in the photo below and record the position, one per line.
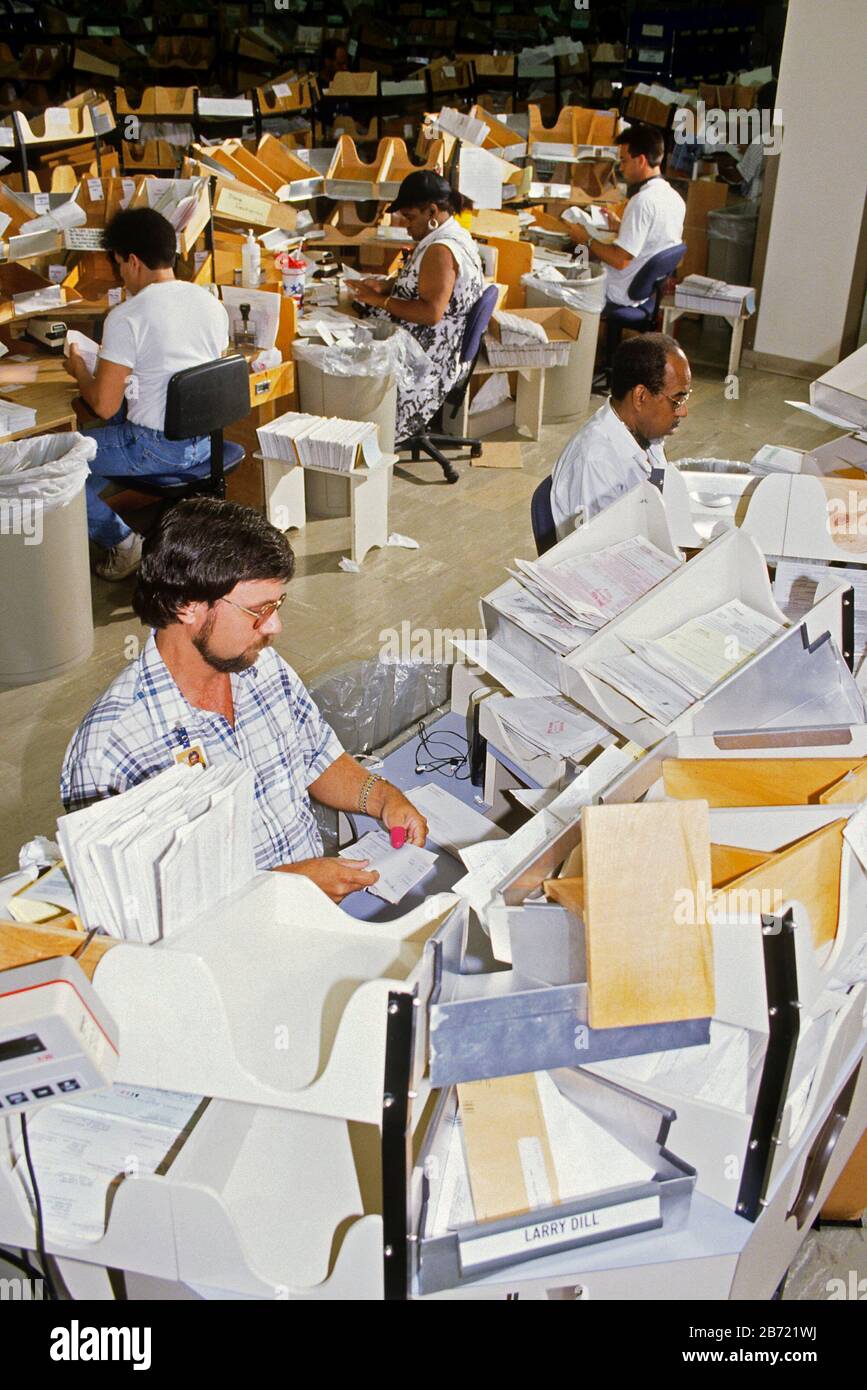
(370, 780)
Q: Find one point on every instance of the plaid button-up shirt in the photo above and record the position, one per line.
(135, 729)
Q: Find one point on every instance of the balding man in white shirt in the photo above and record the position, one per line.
(622, 444)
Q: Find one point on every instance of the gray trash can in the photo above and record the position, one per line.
(322, 392)
(731, 238)
(567, 389)
(46, 623)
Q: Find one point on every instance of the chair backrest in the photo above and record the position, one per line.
(203, 400)
(477, 321)
(542, 517)
(655, 271)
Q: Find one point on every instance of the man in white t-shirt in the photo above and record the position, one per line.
(163, 326)
(652, 220)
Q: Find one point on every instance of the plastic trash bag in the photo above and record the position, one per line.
(368, 704)
(52, 467)
(585, 296)
(376, 350)
(736, 223)
(711, 465)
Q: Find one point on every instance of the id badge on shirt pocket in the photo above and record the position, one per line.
(193, 755)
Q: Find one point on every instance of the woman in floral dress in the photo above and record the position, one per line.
(432, 293)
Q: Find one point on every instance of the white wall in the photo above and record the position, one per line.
(821, 181)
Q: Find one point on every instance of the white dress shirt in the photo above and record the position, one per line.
(652, 221)
(601, 462)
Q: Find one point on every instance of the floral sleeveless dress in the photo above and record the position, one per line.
(441, 341)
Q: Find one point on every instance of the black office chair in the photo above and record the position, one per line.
(432, 442)
(542, 517)
(647, 287)
(202, 400)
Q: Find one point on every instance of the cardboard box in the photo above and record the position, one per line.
(561, 326)
(234, 202)
(702, 196)
(179, 101)
(353, 84)
(492, 64)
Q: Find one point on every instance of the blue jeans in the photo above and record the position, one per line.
(126, 452)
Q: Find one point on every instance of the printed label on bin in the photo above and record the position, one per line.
(535, 1237)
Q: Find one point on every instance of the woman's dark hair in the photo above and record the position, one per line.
(640, 361)
(201, 549)
(644, 139)
(423, 186)
(145, 233)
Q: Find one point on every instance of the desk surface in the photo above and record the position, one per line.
(399, 768)
(51, 398)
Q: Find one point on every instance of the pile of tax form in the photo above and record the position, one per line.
(145, 863)
(316, 442)
(567, 602)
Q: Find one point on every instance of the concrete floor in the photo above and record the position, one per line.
(467, 534)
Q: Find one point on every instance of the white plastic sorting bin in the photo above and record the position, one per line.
(46, 623)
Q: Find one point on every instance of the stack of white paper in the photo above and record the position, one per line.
(589, 590)
(88, 350)
(667, 674)
(553, 726)
(452, 824)
(773, 458)
(399, 869)
(176, 199)
(587, 1159)
(317, 442)
(82, 1150)
(515, 331)
(147, 862)
(35, 301)
(229, 107)
(592, 217)
(714, 296)
(718, 1072)
(14, 417)
(464, 127)
(69, 214)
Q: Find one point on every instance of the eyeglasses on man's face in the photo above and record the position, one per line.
(260, 614)
(680, 400)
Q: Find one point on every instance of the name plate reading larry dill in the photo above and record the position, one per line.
(574, 1228)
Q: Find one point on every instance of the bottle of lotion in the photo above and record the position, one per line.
(251, 262)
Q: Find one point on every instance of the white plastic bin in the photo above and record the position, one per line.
(46, 623)
(567, 389)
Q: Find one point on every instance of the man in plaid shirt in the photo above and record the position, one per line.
(209, 687)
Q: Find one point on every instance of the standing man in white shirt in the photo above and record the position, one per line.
(163, 326)
(652, 220)
(622, 444)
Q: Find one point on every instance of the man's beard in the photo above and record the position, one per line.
(229, 665)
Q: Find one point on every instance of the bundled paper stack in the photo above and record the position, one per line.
(316, 442)
(714, 296)
(14, 417)
(522, 342)
(665, 675)
(146, 862)
(582, 593)
(553, 726)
